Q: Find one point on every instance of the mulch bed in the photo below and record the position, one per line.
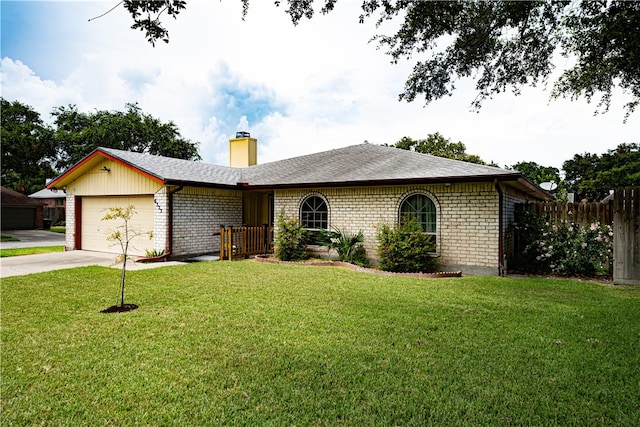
(327, 263)
(119, 308)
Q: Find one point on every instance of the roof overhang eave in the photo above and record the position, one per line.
(382, 182)
(201, 184)
(534, 190)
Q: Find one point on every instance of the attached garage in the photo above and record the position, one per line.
(182, 202)
(102, 181)
(94, 230)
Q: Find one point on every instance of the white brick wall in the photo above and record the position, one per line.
(161, 220)
(199, 212)
(70, 221)
(467, 217)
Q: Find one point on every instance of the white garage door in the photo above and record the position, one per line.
(94, 230)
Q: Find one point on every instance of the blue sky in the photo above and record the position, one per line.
(32, 33)
(299, 90)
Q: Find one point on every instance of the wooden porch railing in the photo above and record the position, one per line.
(242, 242)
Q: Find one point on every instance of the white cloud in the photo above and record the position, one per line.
(19, 82)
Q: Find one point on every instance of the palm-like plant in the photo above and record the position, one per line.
(345, 244)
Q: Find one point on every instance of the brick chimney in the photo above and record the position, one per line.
(243, 150)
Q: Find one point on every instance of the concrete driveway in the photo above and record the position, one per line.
(37, 263)
(28, 264)
(32, 238)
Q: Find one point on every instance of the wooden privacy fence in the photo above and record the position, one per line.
(626, 236)
(579, 213)
(242, 242)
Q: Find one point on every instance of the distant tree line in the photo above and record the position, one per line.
(33, 151)
(588, 176)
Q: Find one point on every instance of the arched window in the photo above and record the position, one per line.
(422, 209)
(314, 215)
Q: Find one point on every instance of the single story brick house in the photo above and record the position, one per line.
(54, 203)
(467, 207)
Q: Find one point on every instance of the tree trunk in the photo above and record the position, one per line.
(124, 269)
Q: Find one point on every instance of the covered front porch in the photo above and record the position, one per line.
(255, 236)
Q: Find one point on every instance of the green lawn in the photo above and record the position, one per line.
(29, 251)
(245, 343)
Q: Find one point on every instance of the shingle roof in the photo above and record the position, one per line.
(48, 194)
(177, 170)
(9, 197)
(366, 163)
(363, 164)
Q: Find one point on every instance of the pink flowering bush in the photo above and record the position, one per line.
(566, 248)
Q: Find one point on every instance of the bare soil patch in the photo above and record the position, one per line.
(119, 308)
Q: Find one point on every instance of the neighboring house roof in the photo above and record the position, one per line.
(13, 198)
(45, 193)
(363, 164)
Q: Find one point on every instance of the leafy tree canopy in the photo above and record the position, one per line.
(27, 148)
(33, 151)
(591, 176)
(77, 134)
(437, 145)
(539, 174)
(503, 45)
(146, 16)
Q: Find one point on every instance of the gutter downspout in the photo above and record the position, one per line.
(501, 269)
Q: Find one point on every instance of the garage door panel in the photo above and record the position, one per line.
(18, 218)
(94, 230)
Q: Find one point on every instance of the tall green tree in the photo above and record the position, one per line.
(503, 45)
(27, 148)
(437, 145)
(591, 176)
(539, 174)
(77, 134)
